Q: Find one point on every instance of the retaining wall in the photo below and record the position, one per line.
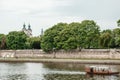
(84, 53)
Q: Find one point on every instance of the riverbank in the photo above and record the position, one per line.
(85, 56)
(73, 54)
(81, 61)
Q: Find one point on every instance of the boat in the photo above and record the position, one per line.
(100, 70)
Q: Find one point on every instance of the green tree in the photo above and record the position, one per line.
(118, 22)
(71, 36)
(2, 41)
(50, 37)
(90, 33)
(68, 37)
(34, 42)
(106, 39)
(116, 34)
(16, 40)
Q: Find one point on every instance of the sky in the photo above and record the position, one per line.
(46, 13)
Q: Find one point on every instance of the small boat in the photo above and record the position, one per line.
(100, 70)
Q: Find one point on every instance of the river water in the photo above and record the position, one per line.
(50, 71)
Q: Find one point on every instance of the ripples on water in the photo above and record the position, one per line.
(49, 71)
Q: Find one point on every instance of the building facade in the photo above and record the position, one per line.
(28, 31)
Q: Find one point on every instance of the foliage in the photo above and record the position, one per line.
(68, 37)
(116, 34)
(90, 33)
(71, 36)
(16, 40)
(2, 41)
(106, 39)
(50, 38)
(34, 42)
(118, 22)
(76, 35)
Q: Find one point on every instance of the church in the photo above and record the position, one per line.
(27, 31)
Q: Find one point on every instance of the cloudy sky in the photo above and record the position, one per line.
(45, 13)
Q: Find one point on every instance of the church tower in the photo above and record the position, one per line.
(24, 27)
(28, 31)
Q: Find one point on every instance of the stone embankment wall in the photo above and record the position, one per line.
(84, 53)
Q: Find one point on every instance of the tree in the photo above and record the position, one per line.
(68, 37)
(118, 22)
(16, 40)
(2, 41)
(34, 42)
(90, 33)
(71, 36)
(106, 39)
(116, 33)
(49, 39)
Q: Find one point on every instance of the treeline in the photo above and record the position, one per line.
(76, 35)
(86, 34)
(18, 40)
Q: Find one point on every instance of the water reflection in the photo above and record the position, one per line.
(79, 77)
(65, 66)
(15, 77)
(64, 77)
(50, 71)
(102, 77)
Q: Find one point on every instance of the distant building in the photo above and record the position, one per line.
(28, 31)
(41, 32)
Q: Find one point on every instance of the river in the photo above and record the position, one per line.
(50, 71)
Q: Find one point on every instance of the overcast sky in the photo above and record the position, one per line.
(45, 13)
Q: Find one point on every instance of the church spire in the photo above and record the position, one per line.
(29, 27)
(28, 31)
(24, 27)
